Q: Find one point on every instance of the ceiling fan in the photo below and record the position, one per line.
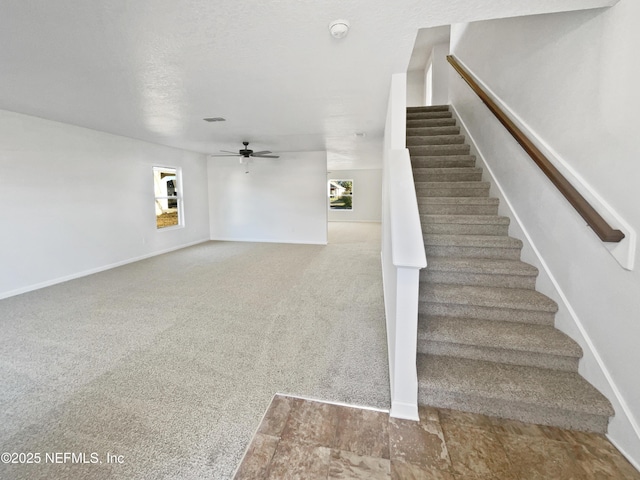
(247, 153)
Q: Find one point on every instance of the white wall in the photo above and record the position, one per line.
(279, 200)
(570, 80)
(440, 74)
(415, 88)
(76, 201)
(431, 85)
(428, 83)
(367, 197)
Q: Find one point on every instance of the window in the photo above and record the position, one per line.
(168, 197)
(341, 194)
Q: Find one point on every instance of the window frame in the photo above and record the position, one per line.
(350, 194)
(178, 197)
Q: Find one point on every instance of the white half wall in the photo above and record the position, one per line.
(280, 200)
(367, 196)
(568, 81)
(77, 201)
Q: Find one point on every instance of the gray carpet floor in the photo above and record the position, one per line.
(168, 364)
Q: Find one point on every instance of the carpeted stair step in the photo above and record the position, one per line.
(487, 272)
(465, 174)
(428, 108)
(430, 122)
(540, 346)
(472, 246)
(432, 131)
(465, 224)
(428, 115)
(527, 394)
(487, 303)
(486, 339)
(443, 161)
(435, 140)
(458, 205)
(424, 150)
(452, 189)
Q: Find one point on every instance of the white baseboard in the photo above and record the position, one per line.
(262, 240)
(405, 411)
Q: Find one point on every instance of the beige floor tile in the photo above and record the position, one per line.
(476, 452)
(428, 414)
(322, 441)
(348, 465)
(418, 443)
(276, 417)
(258, 458)
(603, 463)
(297, 460)
(514, 427)
(312, 422)
(401, 470)
(535, 458)
(558, 434)
(464, 418)
(593, 442)
(625, 468)
(364, 432)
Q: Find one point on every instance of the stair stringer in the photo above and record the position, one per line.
(591, 366)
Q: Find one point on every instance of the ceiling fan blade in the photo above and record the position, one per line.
(225, 155)
(227, 151)
(261, 152)
(265, 156)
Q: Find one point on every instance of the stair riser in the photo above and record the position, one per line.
(477, 279)
(435, 140)
(471, 176)
(427, 115)
(454, 209)
(438, 150)
(472, 252)
(464, 229)
(431, 131)
(437, 191)
(487, 313)
(527, 413)
(499, 355)
(428, 108)
(431, 122)
(465, 219)
(446, 161)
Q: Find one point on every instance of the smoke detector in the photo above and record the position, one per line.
(339, 28)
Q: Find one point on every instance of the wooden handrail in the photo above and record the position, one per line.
(591, 216)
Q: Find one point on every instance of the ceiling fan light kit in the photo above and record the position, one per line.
(339, 28)
(245, 153)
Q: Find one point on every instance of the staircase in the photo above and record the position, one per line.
(486, 338)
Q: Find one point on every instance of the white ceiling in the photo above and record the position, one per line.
(153, 69)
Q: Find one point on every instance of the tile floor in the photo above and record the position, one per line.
(303, 439)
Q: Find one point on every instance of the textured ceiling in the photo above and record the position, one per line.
(153, 69)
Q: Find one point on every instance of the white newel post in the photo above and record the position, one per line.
(404, 402)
